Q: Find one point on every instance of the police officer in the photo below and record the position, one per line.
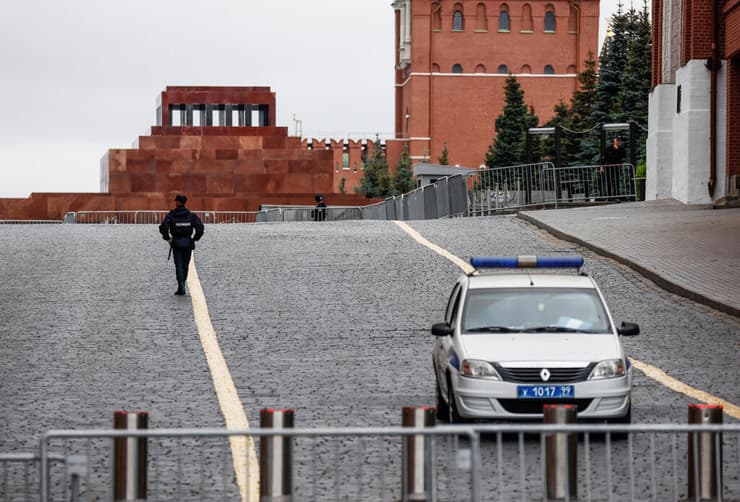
(177, 229)
(611, 168)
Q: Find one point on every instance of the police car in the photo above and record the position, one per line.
(513, 342)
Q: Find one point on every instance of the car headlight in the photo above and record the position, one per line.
(611, 368)
(474, 368)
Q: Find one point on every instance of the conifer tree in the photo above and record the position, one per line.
(376, 181)
(607, 105)
(508, 148)
(403, 179)
(443, 159)
(636, 82)
(580, 118)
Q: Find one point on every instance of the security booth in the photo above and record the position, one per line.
(427, 173)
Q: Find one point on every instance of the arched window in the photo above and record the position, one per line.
(458, 20)
(504, 23)
(436, 17)
(457, 68)
(435, 67)
(573, 20)
(549, 19)
(549, 70)
(526, 69)
(481, 20)
(527, 24)
(480, 68)
(503, 69)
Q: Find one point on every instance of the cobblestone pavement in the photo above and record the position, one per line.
(330, 319)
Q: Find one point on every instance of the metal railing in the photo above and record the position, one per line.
(28, 222)
(544, 185)
(446, 198)
(155, 217)
(309, 213)
(466, 462)
(483, 192)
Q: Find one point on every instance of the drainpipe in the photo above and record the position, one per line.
(429, 111)
(714, 65)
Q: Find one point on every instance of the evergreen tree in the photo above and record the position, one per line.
(636, 82)
(442, 159)
(376, 181)
(508, 148)
(403, 179)
(576, 149)
(607, 104)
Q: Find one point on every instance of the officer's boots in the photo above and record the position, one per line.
(180, 288)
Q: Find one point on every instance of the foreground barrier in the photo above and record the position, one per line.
(416, 461)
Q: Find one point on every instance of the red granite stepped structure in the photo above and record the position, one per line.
(220, 145)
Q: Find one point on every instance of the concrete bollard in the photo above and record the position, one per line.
(276, 456)
(705, 454)
(417, 458)
(561, 452)
(130, 457)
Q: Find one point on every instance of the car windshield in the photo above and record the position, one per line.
(551, 310)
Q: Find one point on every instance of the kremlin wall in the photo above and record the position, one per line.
(218, 145)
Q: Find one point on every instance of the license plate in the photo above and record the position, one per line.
(544, 391)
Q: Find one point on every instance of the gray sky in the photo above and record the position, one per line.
(81, 76)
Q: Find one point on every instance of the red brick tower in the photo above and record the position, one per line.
(453, 56)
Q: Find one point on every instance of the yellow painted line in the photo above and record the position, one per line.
(466, 267)
(653, 372)
(662, 377)
(243, 452)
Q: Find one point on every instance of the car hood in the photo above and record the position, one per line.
(541, 347)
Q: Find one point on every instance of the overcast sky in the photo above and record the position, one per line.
(78, 77)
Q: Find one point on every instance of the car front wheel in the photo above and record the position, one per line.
(443, 412)
(452, 416)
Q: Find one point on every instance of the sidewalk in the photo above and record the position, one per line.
(691, 251)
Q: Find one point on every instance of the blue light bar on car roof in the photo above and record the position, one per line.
(562, 261)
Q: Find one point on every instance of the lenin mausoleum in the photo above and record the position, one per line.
(221, 147)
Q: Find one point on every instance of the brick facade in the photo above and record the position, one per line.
(452, 58)
(696, 30)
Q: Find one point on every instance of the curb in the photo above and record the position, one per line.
(649, 274)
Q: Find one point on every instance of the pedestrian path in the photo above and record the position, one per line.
(693, 251)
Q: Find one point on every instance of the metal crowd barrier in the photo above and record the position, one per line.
(544, 185)
(155, 217)
(418, 461)
(28, 222)
(446, 198)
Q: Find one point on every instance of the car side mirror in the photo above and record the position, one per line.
(441, 329)
(629, 329)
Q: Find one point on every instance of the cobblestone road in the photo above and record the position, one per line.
(330, 319)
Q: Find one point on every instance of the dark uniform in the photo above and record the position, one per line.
(319, 214)
(177, 228)
(612, 169)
